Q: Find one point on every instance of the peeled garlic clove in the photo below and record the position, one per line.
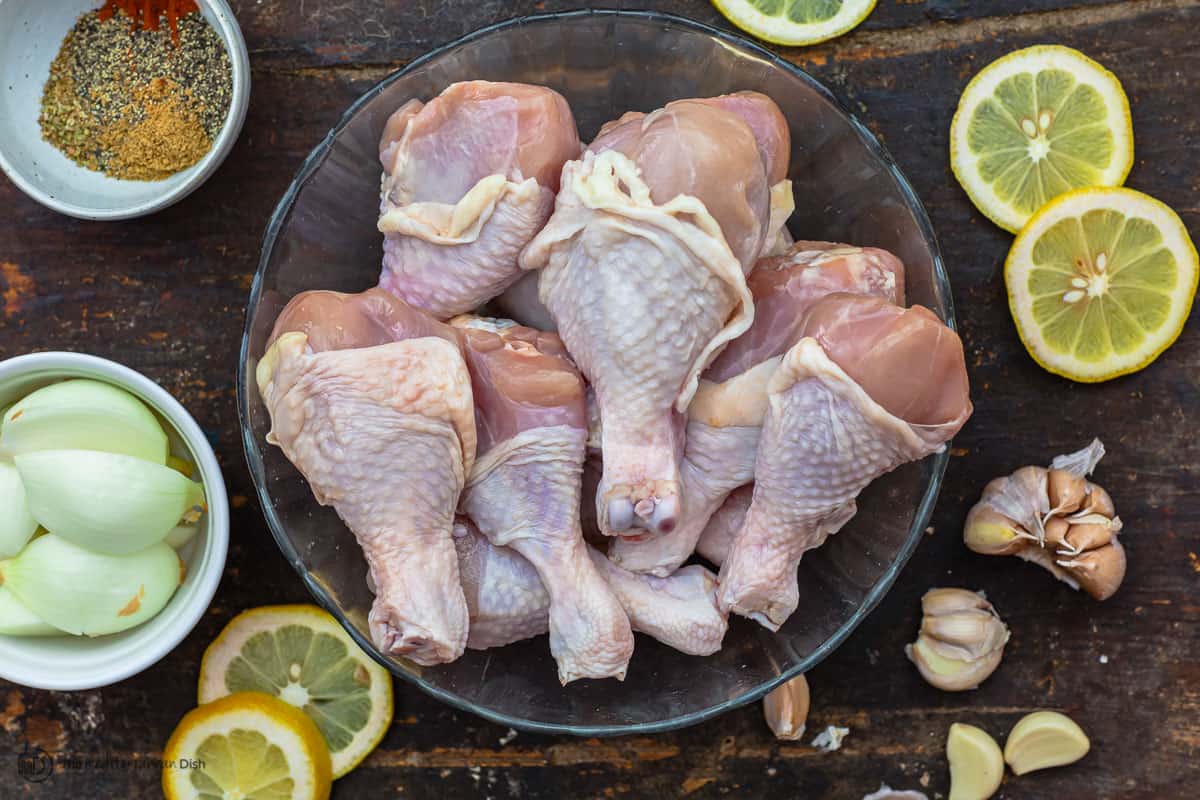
(1044, 739)
(1098, 572)
(1056, 530)
(1099, 501)
(786, 709)
(90, 593)
(17, 525)
(976, 763)
(1067, 491)
(17, 620)
(109, 503)
(991, 533)
(83, 415)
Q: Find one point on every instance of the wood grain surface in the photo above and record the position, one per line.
(166, 295)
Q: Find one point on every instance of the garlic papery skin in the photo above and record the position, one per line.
(961, 641)
(786, 709)
(886, 792)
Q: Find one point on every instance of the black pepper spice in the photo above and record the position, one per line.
(135, 101)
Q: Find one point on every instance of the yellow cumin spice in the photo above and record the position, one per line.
(169, 137)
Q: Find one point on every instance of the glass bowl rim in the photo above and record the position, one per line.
(314, 160)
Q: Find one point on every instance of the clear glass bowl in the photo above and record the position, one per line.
(323, 236)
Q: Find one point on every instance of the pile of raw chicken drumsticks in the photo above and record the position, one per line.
(681, 378)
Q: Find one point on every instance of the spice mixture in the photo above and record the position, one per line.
(137, 91)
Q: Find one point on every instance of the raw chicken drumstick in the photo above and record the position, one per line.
(371, 400)
(725, 417)
(869, 387)
(468, 179)
(525, 488)
(724, 525)
(508, 602)
(643, 269)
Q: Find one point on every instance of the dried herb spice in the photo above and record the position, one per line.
(137, 91)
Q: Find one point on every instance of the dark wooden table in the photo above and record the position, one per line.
(166, 295)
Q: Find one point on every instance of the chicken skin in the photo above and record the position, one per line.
(524, 492)
(725, 418)
(371, 400)
(868, 387)
(642, 266)
(468, 179)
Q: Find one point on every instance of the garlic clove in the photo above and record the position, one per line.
(1022, 497)
(1044, 739)
(1099, 501)
(976, 763)
(1056, 531)
(961, 640)
(947, 600)
(974, 630)
(786, 709)
(1087, 536)
(950, 674)
(991, 533)
(1098, 572)
(1067, 491)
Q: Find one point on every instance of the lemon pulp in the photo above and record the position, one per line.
(1101, 282)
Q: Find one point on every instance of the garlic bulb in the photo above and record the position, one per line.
(961, 640)
(1056, 518)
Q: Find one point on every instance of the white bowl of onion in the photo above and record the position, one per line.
(132, 521)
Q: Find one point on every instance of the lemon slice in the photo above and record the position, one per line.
(248, 745)
(795, 22)
(1100, 282)
(1035, 124)
(300, 654)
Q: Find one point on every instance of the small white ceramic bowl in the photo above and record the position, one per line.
(78, 662)
(31, 33)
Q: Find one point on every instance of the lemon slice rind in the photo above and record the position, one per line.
(964, 162)
(230, 642)
(779, 30)
(284, 728)
(1130, 203)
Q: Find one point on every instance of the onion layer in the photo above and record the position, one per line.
(17, 525)
(90, 593)
(109, 503)
(83, 414)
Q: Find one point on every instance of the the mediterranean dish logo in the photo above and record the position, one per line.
(35, 765)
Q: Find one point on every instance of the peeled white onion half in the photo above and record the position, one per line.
(89, 593)
(83, 414)
(17, 620)
(109, 503)
(17, 525)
